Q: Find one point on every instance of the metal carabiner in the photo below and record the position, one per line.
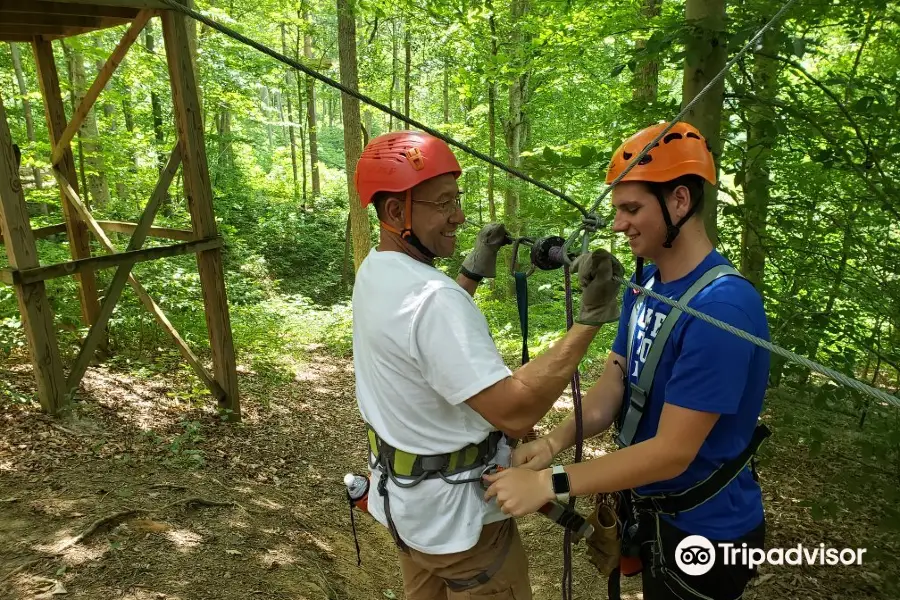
(514, 263)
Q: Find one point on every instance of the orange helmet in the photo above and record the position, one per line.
(398, 161)
(683, 151)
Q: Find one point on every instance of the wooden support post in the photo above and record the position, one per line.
(79, 240)
(103, 77)
(121, 277)
(189, 122)
(37, 317)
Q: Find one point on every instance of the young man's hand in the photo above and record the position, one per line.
(482, 260)
(600, 301)
(535, 455)
(520, 492)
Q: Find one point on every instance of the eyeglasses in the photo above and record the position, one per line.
(448, 207)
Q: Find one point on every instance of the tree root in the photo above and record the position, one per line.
(116, 518)
(20, 568)
(187, 502)
(101, 523)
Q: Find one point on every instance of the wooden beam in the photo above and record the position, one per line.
(44, 232)
(120, 3)
(102, 79)
(41, 19)
(66, 8)
(183, 235)
(79, 241)
(142, 294)
(17, 38)
(49, 30)
(108, 261)
(121, 277)
(37, 316)
(189, 122)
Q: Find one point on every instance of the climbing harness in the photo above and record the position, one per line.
(406, 470)
(639, 514)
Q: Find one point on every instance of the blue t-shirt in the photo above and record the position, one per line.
(705, 368)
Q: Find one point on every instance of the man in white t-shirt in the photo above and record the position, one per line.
(434, 391)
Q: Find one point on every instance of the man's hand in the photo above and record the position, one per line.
(536, 455)
(482, 260)
(600, 302)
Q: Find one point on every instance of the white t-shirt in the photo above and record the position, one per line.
(421, 348)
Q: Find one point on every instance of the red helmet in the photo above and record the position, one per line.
(398, 161)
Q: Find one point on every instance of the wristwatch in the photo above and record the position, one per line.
(560, 480)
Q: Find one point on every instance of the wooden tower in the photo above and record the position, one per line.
(39, 22)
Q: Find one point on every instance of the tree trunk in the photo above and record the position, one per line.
(67, 53)
(311, 126)
(29, 121)
(289, 83)
(446, 90)
(492, 115)
(837, 282)
(158, 134)
(761, 138)
(93, 148)
(705, 49)
(515, 124)
(359, 218)
(395, 77)
(645, 83)
(407, 48)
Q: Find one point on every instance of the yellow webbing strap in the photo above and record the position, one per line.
(404, 462)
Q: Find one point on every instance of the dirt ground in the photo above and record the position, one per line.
(141, 493)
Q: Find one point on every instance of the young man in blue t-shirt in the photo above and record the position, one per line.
(705, 394)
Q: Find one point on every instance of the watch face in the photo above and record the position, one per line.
(560, 483)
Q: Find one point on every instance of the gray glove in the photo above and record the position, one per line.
(600, 301)
(482, 260)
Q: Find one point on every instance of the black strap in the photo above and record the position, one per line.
(353, 528)
(460, 585)
(695, 496)
(522, 305)
(382, 490)
(470, 274)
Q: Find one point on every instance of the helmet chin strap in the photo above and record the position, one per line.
(407, 234)
(672, 231)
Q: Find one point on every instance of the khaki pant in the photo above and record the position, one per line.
(423, 573)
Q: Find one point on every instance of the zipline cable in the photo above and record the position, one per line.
(590, 220)
(362, 97)
(809, 364)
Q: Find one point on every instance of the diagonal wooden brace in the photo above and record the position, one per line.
(103, 77)
(142, 294)
(119, 280)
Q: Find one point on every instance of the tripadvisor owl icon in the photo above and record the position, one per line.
(695, 555)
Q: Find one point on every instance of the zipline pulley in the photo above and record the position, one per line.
(546, 253)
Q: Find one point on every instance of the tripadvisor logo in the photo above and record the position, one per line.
(695, 555)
